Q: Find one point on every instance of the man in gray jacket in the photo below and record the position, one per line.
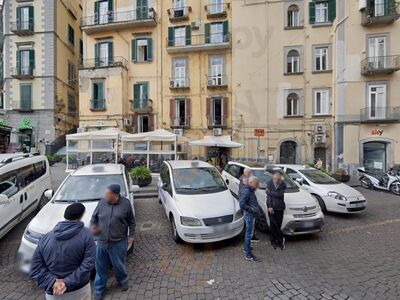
(113, 225)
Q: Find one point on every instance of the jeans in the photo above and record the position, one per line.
(275, 221)
(249, 221)
(115, 256)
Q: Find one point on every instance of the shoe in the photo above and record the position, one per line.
(273, 245)
(244, 250)
(283, 244)
(255, 239)
(251, 257)
(123, 286)
(98, 296)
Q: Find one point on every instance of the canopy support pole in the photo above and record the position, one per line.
(67, 155)
(91, 152)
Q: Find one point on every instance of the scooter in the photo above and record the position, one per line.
(387, 182)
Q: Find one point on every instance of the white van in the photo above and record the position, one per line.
(23, 180)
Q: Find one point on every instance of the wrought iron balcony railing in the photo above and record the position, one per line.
(179, 122)
(22, 28)
(23, 72)
(217, 121)
(201, 39)
(215, 81)
(381, 114)
(106, 62)
(142, 105)
(98, 104)
(179, 83)
(217, 10)
(380, 13)
(380, 65)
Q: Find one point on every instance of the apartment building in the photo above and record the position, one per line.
(120, 73)
(41, 56)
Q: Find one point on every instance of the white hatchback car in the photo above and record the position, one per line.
(197, 202)
(302, 215)
(86, 185)
(332, 195)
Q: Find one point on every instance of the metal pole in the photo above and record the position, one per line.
(91, 151)
(67, 155)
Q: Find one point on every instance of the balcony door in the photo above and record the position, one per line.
(180, 76)
(25, 18)
(377, 102)
(216, 6)
(379, 8)
(25, 62)
(103, 12)
(217, 66)
(377, 52)
(142, 9)
(217, 33)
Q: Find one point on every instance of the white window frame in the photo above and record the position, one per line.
(217, 69)
(103, 15)
(376, 45)
(321, 12)
(321, 102)
(216, 33)
(180, 36)
(142, 50)
(140, 122)
(221, 121)
(293, 17)
(294, 62)
(293, 103)
(321, 53)
(217, 6)
(178, 110)
(179, 70)
(373, 112)
(25, 18)
(25, 61)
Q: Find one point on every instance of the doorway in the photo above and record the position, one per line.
(375, 156)
(287, 152)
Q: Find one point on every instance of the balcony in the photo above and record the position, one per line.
(380, 114)
(108, 62)
(218, 81)
(142, 106)
(202, 42)
(22, 28)
(179, 83)
(179, 14)
(385, 13)
(180, 122)
(216, 11)
(119, 20)
(380, 65)
(217, 121)
(98, 105)
(23, 73)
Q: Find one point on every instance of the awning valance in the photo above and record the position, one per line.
(216, 141)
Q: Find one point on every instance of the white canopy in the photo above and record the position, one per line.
(216, 141)
(159, 135)
(104, 134)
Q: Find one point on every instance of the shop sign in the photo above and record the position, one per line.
(25, 124)
(259, 132)
(377, 131)
(2, 123)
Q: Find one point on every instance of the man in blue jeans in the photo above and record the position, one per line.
(113, 225)
(249, 204)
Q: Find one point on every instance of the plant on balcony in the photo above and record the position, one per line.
(141, 176)
(341, 175)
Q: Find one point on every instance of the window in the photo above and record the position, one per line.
(25, 18)
(321, 102)
(103, 12)
(71, 104)
(321, 58)
(142, 50)
(293, 62)
(180, 36)
(25, 61)
(179, 72)
(293, 174)
(180, 9)
(180, 112)
(104, 54)
(217, 111)
(140, 95)
(377, 50)
(217, 76)
(71, 35)
(71, 75)
(217, 6)
(292, 105)
(143, 124)
(9, 185)
(233, 170)
(26, 96)
(376, 101)
(98, 100)
(322, 11)
(293, 16)
(142, 8)
(216, 33)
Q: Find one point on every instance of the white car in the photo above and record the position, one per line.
(332, 195)
(302, 214)
(86, 185)
(197, 202)
(24, 178)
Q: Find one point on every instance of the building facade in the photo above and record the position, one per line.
(41, 57)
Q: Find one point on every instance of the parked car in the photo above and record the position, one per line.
(86, 185)
(198, 203)
(302, 215)
(331, 194)
(24, 178)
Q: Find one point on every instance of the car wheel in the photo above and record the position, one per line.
(321, 203)
(395, 188)
(175, 233)
(365, 183)
(262, 223)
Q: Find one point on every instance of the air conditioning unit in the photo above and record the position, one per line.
(320, 138)
(173, 84)
(217, 131)
(127, 122)
(320, 128)
(178, 132)
(179, 13)
(195, 25)
(151, 12)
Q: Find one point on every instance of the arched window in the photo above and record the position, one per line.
(293, 61)
(287, 152)
(293, 16)
(292, 105)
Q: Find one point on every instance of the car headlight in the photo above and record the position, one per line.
(337, 196)
(32, 236)
(187, 221)
(239, 214)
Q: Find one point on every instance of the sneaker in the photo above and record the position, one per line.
(283, 244)
(255, 239)
(244, 250)
(251, 257)
(273, 245)
(123, 286)
(98, 296)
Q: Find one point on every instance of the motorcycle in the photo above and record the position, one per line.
(387, 182)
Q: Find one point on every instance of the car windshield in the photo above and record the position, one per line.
(198, 181)
(265, 176)
(318, 177)
(88, 188)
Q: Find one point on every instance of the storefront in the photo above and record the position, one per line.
(375, 156)
(5, 132)
(25, 134)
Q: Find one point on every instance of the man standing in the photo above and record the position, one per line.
(249, 204)
(65, 257)
(113, 225)
(275, 190)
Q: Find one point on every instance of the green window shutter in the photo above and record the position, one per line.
(188, 35)
(134, 50)
(331, 10)
(311, 12)
(18, 55)
(19, 24)
(96, 12)
(111, 10)
(97, 54)
(31, 17)
(171, 36)
(207, 31)
(31, 61)
(136, 91)
(146, 90)
(100, 92)
(26, 96)
(149, 49)
(226, 31)
(110, 52)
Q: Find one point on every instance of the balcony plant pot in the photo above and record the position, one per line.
(141, 176)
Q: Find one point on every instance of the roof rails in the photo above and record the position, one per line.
(18, 157)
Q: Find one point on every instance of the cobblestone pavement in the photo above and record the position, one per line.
(356, 257)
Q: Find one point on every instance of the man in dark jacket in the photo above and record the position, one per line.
(113, 225)
(65, 257)
(275, 190)
(249, 204)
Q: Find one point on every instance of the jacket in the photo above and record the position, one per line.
(248, 201)
(115, 221)
(275, 196)
(67, 252)
(241, 184)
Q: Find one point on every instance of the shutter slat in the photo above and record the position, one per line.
(207, 33)
(171, 36)
(311, 12)
(149, 49)
(172, 106)
(331, 10)
(188, 35)
(134, 50)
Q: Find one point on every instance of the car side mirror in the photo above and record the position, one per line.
(49, 194)
(3, 199)
(299, 181)
(134, 188)
(165, 187)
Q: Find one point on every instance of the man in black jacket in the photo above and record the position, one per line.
(275, 190)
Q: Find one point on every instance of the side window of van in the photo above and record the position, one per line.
(9, 184)
(26, 175)
(40, 169)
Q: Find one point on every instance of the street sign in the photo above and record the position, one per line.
(259, 132)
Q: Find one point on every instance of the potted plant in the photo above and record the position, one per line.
(341, 175)
(141, 176)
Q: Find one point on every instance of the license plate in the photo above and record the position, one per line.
(307, 224)
(220, 228)
(358, 205)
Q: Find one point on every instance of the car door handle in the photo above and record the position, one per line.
(26, 196)
(227, 181)
(21, 199)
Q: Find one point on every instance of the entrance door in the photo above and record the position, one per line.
(377, 102)
(320, 153)
(288, 152)
(377, 52)
(374, 156)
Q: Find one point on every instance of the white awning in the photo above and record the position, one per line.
(217, 141)
(159, 135)
(104, 134)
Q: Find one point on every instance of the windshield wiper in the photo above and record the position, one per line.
(78, 200)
